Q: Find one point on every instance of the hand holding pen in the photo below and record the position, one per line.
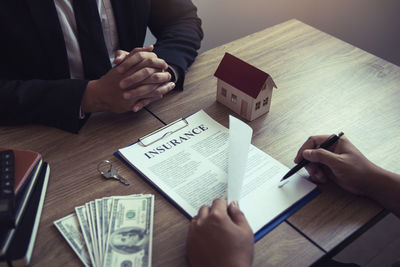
(342, 164)
(325, 145)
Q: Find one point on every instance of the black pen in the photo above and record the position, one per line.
(327, 143)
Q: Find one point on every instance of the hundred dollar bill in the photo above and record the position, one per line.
(70, 230)
(107, 202)
(130, 232)
(99, 227)
(83, 222)
(106, 219)
(91, 215)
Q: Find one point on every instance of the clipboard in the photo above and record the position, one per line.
(180, 124)
(159, 134)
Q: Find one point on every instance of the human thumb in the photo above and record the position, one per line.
(236, 214)
(320, 155)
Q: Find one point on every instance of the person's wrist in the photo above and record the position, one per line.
(373, 180)
(89, 103)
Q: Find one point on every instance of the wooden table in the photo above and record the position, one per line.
(74, 181)
(325, 86)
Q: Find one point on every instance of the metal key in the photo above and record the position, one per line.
(111, 173)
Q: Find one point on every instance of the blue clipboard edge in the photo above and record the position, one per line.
(286, 214)
(260, 233)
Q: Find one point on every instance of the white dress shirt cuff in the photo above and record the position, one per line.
(174, 73)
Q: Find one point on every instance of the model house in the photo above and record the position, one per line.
(243, 88)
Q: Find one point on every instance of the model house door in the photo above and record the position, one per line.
(243, 109)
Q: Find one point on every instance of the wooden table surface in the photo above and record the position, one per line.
(324, 86)
(74, 179)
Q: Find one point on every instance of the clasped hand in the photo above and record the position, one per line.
(138, 79)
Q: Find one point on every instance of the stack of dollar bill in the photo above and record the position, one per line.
(112, 231)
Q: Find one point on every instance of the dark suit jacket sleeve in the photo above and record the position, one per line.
(177, 28)
(50, 102)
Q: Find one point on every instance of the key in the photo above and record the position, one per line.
(106, 169)
(113, 174)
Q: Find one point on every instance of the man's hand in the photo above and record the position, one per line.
(343, 163)
(346, 166)
(150, 66)
(220, 236)
(137, 80)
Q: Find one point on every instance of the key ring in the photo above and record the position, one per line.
(102, 165)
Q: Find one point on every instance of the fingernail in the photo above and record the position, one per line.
(235, 203)
(172, 86)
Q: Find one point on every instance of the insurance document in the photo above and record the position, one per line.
(188, 163)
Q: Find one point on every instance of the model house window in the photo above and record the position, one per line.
(258, 105)
(265, 102)
(223, 92)
(234, 98)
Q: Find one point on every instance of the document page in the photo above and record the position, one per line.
(238, 149)
(190, 166)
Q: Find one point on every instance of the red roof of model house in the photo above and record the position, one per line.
(241, 75)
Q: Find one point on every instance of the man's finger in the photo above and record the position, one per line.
(152, 62)
(142, 92)
(150, 91)
(321, 155)
(236, 214)
(133, 59)
(154, 95)
(158, 77)
(203, 212)
(219, 205)
(120, 55)
(164, 88)
(148, 48)
(312, 142)
(136, 78)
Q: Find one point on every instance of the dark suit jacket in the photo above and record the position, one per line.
(34, 73)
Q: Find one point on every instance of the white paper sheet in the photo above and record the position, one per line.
(190, 166)
(239, 141)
